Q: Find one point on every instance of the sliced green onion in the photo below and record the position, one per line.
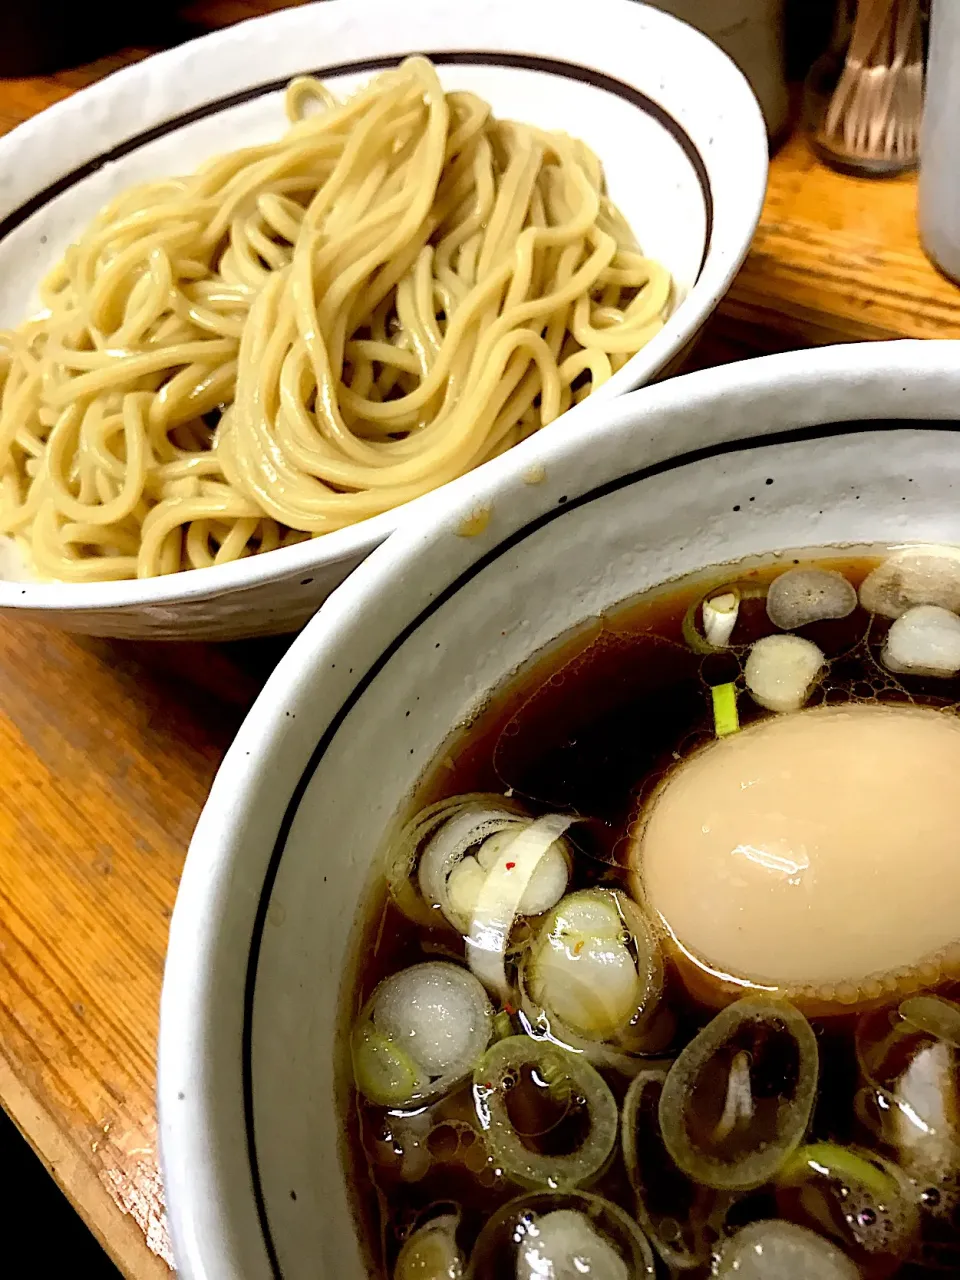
(934, 1015)
(912, 1097)
(557, 1068)
(801, 596)
(383, 1072)
(405, 848)
(594, 974)
(925, 1120)
(773, 1248)
(924, 641)
(431, 1253)
(736, 1138)
(421, 1032)
(447, 854)
(913, 575)
(500, 898)
(865, 1201)
(718, 612)
(725, 717)
(681, 1218)
(843, 1163)
(439, 864)
(546, 1234)
(720, 615)
(691, 632)
(566, 1238)
(781, 670)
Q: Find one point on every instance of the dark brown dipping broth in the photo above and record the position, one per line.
(590, 728)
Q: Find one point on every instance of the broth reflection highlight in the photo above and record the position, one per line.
(664, 978)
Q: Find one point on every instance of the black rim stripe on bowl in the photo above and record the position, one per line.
(551, 66)
(792, 436)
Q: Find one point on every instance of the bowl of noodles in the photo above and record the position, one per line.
(410, 850)
(267, 292)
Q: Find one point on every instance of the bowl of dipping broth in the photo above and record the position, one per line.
(587, 888)
(266, 292)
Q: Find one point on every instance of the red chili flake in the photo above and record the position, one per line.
(511, 865)
(508, 1008)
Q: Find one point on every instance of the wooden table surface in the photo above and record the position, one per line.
(107, 749)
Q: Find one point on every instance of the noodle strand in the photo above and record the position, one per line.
(311, 332)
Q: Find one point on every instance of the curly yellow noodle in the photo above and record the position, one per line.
(307, 333)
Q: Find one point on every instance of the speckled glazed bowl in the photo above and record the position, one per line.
(676, 125)
(846, 445)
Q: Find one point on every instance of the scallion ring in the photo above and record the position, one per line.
(564, 1074)
(421, 1032)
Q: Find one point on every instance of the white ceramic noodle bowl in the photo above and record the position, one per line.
(713, 467)
(673, 120)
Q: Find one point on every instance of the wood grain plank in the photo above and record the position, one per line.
(118, 1233)
(21, 99)
(106, 754)
(836, 259)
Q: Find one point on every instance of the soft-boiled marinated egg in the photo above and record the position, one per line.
(815, 855)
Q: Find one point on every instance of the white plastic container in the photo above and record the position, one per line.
(939, 210)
